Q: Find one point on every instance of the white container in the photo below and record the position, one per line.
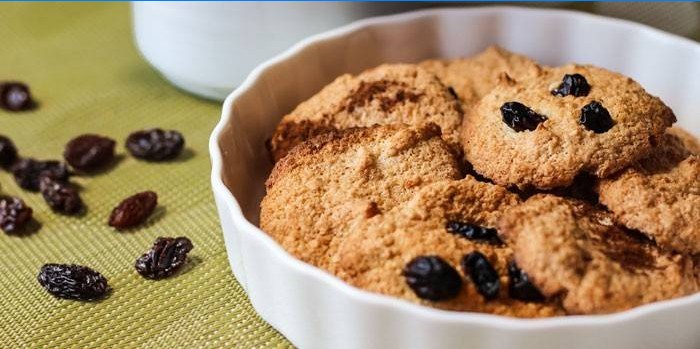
(312, 308)
(208, 48)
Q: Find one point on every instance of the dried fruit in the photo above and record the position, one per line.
(596, 118)
(89, 152)
(520, 286)
(519, 117)
(431, 277)
(165, 257)
(14, 214)
(8, 152)
(60, 196)
(473, 232)
(482, 273)
(155, 144)
(133, 210)
(15, 96)
(72, 281)
(27, 172)
(572, 84)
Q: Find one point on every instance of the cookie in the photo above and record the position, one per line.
(472, 78)
(660, 195)
(388, 94)
(544, 131)
(324, 183)
(574, 251)
(444, 222)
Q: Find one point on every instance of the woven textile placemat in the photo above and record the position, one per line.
(85, 72)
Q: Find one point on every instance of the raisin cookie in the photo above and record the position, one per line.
(388, 94)
(472, 78)
(543, 131)
(660, 195)
(440, 250)
(578, 253)
(315, 191)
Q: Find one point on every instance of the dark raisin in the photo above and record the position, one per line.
(89, 152)
(8, 152)
(452, 92)
(14, 214)
(596, 118)
(431, 277)
(155, 144)
(572, 84)
(519, 117)
(473, 232)
(482, 273)
(520, 286)
(165, 257)
(72, 281)
(15, 96)
(60, 196)
(133, 210)
(27, 172)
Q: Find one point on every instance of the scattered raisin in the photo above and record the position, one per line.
(133, 210)
(8, 152)
(572, 84)
(165, 257)
(15, 96)
(596, 118)
(27, 172)
(89, 152)
(482, 274)
(431, 277)
(473, 232)
(520, 286)
(60, 196)
(155, 144)
(72, 281)
(14, 214)
(519, 117)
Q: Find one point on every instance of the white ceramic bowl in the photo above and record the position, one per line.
(316, 310)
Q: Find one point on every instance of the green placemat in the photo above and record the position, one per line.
(84, 70)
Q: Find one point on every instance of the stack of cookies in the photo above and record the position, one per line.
(490, 184)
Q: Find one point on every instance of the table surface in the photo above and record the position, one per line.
(87, 76)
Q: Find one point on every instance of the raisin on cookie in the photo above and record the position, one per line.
(660, 195)
(543, 131)
(323, 184)
(387, 94)
(415, 251)
(577, 252)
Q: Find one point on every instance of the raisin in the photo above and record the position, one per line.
(519, 117)
(15, 96)
(596, 118)
(452, 92)
(165, 257)
(482, 273)
(572, 84)
(89, 152)
(60, 196)
(27, 172)
(8, 152)
(431, 277)
(72, 281)
(473, 232)
(155, 144)
(520, 286)
(133, 210)
(14, 214)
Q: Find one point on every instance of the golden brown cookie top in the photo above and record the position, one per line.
(323, 184)
(577, 252)
(446, 220)
(543, 131)
(387, 94)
